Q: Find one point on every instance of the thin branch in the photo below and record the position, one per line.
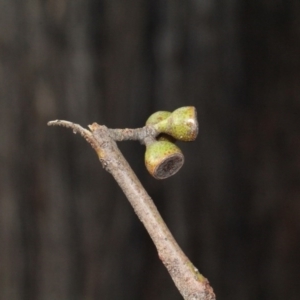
(137, 134)
(190, 283)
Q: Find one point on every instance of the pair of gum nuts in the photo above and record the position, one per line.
(163, 158)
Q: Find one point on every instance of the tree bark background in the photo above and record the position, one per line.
(66, 229)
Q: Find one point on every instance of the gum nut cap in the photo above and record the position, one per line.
(163, 159)
(182, 124)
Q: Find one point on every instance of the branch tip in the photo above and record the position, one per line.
(75, 127)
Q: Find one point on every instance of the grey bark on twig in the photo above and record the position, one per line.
(190, 283)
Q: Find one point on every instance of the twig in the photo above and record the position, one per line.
(190, 283)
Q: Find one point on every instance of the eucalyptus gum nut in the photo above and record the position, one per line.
(156, 118)
(182, 124)
(166, 137)
(163, 159)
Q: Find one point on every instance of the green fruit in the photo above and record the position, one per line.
(182, 124)
(163, 159)
(156, 118)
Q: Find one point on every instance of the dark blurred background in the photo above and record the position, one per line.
(66, 230)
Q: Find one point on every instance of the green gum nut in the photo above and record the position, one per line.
(156, 118)
(163, 159)
(182, 124)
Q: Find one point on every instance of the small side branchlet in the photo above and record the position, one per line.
(162, 157)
